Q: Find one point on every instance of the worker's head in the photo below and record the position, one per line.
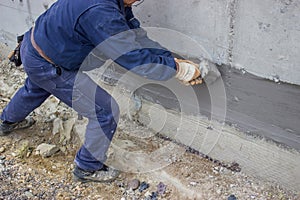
(130, 2)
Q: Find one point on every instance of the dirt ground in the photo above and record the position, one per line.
(24, 174)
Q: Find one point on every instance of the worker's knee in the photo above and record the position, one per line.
(108, 114)
(108, 117)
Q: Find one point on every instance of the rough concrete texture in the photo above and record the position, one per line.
(17, 16)
(260, 37)
(257, 157)
(208, 24)
(267, 38)
(254, 105)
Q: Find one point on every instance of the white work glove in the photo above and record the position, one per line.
(188, 72)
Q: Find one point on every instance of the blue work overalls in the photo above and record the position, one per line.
(67, 32)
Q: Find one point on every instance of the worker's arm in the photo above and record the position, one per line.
(187, 71)
(141, 35)
(107, 28)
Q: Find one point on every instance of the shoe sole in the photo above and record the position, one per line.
(28, 124)
(83, 180)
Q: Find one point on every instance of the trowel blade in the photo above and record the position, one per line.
(209, 72)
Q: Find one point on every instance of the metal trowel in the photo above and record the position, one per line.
(209, 71)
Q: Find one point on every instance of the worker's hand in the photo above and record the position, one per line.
(188, 72)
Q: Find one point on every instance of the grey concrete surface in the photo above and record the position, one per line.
(207, 22)
(267, 38)
(253, 105)
(18, 16)
(256, 156)
(260, 37)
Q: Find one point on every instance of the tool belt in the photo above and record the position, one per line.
(15, 55)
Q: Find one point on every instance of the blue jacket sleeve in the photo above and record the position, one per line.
(112, 33)
(141, 35)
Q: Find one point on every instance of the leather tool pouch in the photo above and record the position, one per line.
(15, 56)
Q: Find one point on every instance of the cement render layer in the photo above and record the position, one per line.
(256, 157)
(253, 105)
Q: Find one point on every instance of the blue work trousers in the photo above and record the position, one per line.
(75, 89)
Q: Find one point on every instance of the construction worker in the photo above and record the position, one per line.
(52, 53)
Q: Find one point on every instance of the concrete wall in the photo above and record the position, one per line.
(261, 37)
(256, 156)
(208, 25)
(267, 38)
(17, 16)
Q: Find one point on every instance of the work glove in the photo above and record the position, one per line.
(188, 72)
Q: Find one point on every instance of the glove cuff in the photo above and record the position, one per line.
(186, 72)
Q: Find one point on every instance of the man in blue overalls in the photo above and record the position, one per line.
(52, 53)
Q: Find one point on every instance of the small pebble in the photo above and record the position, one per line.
(2, 149)
(153, 196)
(120, 184)
(28, 194)
(134, 184)
(147, 194)
(232, 197)
(143, 186)
(161, 188)
(193, 183)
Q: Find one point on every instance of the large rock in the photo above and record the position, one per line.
(65, 134)
(6, 90)
(57, 126)
(64, 128)
(46, 150)
(79, 129)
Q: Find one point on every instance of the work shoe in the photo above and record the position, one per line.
(8, 127)
(105, 174)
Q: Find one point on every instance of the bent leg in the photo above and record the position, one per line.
(84, 95)
(27, 98)
(79, 91)
(102, 111)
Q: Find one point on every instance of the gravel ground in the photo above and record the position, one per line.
(25, 174)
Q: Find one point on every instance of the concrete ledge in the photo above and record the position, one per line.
(257, 157)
